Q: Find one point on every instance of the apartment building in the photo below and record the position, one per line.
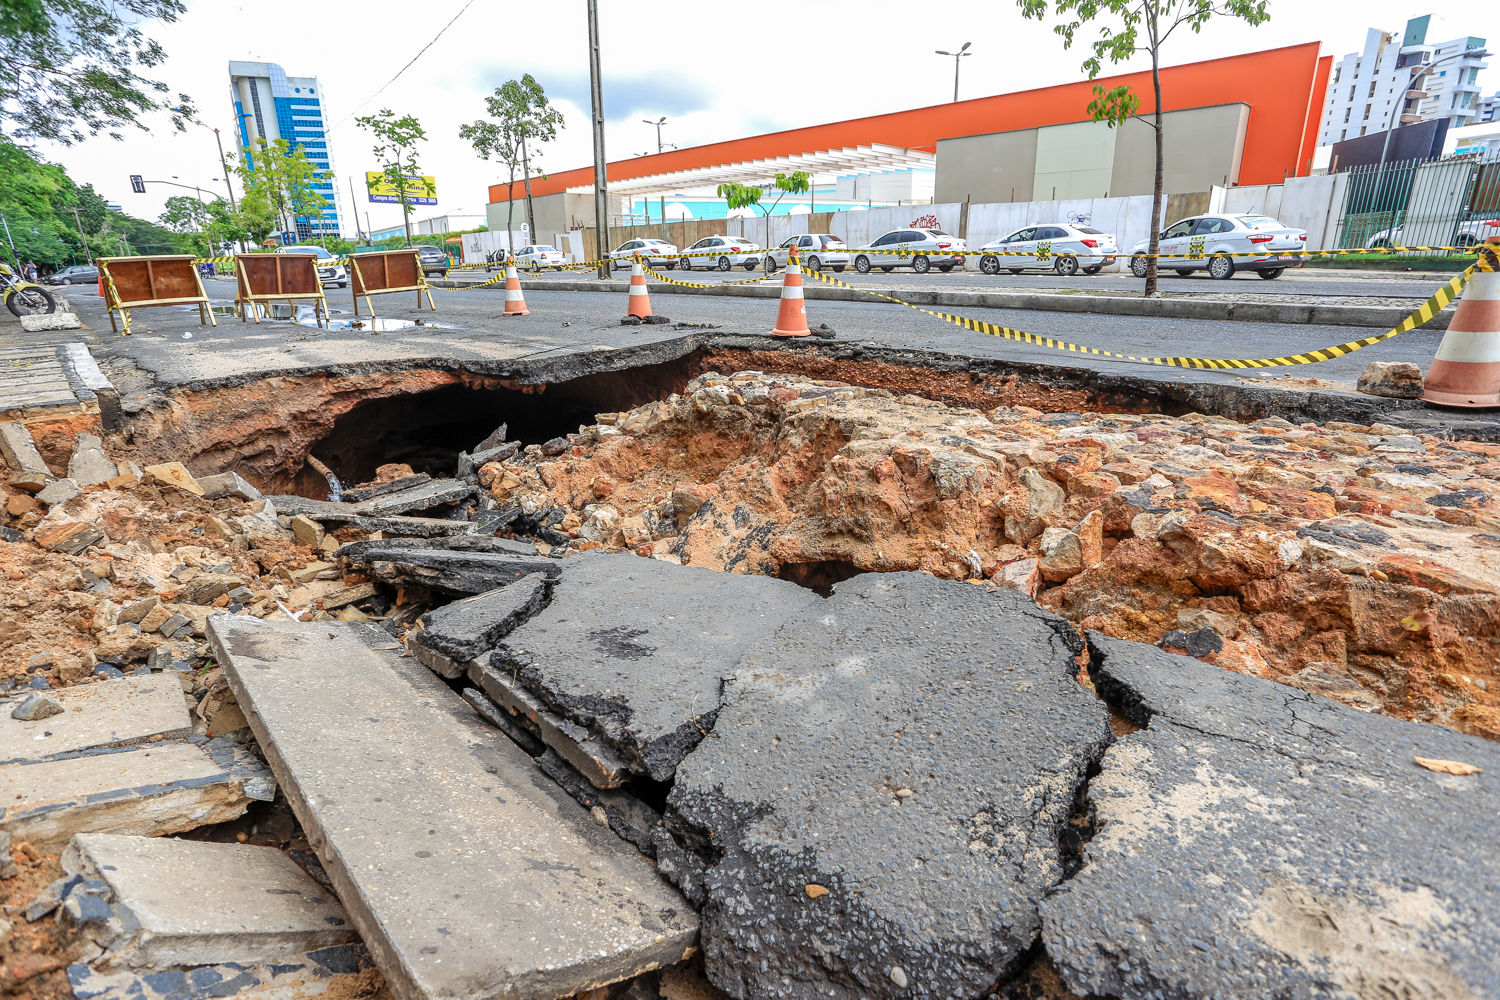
(271, 105)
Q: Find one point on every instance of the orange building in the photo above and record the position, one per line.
(1278, 94)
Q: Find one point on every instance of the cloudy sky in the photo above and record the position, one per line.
(716, 73)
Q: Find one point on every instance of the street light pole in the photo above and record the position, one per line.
(658, 125)
(956, 57)
(601, 178)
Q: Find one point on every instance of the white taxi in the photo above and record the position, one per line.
(723, 252)
(653, 253)
(1063, 247)
(1224, 244)
(538, 257)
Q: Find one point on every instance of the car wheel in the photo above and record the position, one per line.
(1093, 270)
(1065, 267)
(770, 264)
(343, 284)
(1138, 266)
(945, 268)
(685, 264)
(1183, 272)
(724, 264)
(888, 270)
(921, 264)
(989, 265)
(750, 264)
(1220, 267)
(814, 264)
(1016, 270)
(1270, 273)
(66, 281)
(862, 265)
(838, 269)
(1465, 240)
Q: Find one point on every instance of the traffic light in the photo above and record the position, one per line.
(136, 184)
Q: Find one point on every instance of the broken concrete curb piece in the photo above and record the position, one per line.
(227, 484)
(89, 465)
(249, 904)
(58, 491)
(1277, 844)
(42, 322)
(462, 872)
(899, 681)
(174, 474)
(20, 451)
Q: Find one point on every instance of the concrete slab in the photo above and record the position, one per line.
(637, 649)
(456, 633)
(454, 571)
(149, 790)
(884, 792)
(105, 714)
(1256, 840)
(344, 513)
(20, 450)
(418, 497)
(464, 870)
(247, 904)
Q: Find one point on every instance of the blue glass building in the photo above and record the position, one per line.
(271, 105)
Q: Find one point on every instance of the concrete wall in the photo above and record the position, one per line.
(997, 167)
(1202, 147)
(555, 213)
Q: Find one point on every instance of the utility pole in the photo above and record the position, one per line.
(354, 206)
(956, 57)
(82, 238)
(526, 176)
(601, 179)
(224, 164)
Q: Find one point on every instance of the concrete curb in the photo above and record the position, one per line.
(1377, 317)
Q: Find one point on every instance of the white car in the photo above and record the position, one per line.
(330, 272)
(538, 257)
(723, 252)
(919, 249)
(1063, 247)
(1225, 244)
(1469, 234)
(814, 250)
(653, 253)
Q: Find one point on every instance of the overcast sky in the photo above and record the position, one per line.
(716, 73)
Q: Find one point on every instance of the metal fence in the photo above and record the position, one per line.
(1443, 202)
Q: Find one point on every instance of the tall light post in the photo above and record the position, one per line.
(956, 57)
(658, 130)
(596, 99)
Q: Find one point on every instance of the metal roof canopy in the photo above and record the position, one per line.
(822, 164)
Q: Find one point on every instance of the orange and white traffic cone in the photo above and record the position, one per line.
(1466, 370)
(515, 302)
(791, 317)
(640, 299)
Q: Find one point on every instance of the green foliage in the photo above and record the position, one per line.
(522, 119)
(737, 195)
(68, 67)
(796, 182)
(285, 179)
(184, 214)
(396, 151)
(256, 215)
(92, 210)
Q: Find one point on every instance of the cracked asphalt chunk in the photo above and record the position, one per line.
(1260, 841)
(636, 649)
(884, 792)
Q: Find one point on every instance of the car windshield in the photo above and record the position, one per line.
(937, 232)
(313, 250)
(1088, 231)
(829, 241)
(1260, 222)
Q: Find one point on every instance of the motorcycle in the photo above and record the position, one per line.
(22, 297)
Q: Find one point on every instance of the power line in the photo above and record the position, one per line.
(403, 68)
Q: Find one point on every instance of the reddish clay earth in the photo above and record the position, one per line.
(1359, 562)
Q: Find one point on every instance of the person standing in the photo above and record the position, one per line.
(28, 271)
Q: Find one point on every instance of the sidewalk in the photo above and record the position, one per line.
(49, 371)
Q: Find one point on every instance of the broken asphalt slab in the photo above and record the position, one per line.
(458, 632)
(456, 571)
(464, 869)
(636, 650)
(418, 497)
(884, 793)
(1256, 840)
(326, 512)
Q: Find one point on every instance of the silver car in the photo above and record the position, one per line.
(1063, 247)
(814, 250)
(723, 252)
(919, 249)
(1224, 244)
(653, 253)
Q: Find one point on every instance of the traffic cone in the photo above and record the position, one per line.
(1466, 370)
(515, 302)
(791, 318)
(640, 299)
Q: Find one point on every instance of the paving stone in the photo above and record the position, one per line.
(420, 497)
(454, 571)
(884, 792)
(345, 513)
(636, 650)
(248, 904)
(152, 790)
(456, 633)
(464, 873)
(227, 484)
(1259, 841)
(110, 714)
(307, 531)
(89, 465)
(58, 491)
(20, 450)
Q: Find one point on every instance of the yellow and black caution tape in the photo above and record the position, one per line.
(713, 284)
(1425, 312)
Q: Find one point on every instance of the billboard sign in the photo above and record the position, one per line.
(420, 190)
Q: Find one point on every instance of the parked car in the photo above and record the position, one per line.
(433, 260)
(1064, 247)
(723, 252)
(919, 249)
(538, 257)
(1225, 244)
(78, 274)
(1468, 234)
(653, 253)
(330, 271)
(814, 250)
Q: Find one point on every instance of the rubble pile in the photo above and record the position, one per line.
(1358, 562)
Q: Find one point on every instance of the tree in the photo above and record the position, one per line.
(396, 151)
(1140, 26)
(523, 119)
(256, 215)
(92, 209)
(737, 195)
(67, 67)
(184, 214)
(287, 179)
